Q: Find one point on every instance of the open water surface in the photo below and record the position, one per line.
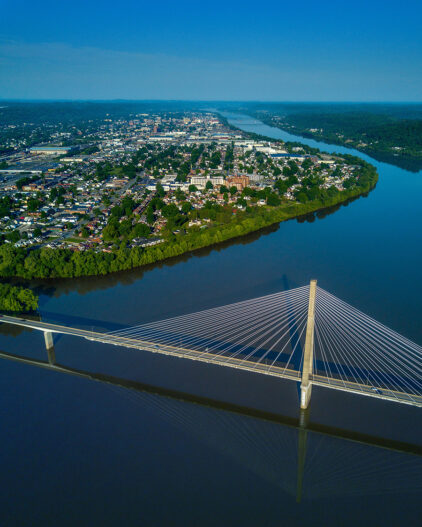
(76, 451)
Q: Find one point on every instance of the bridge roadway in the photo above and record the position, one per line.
(144, 345)
(231, 362)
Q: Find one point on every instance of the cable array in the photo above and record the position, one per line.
(353, 347)
(352, 351)
(268, 330)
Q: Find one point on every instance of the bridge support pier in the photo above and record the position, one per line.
(48, 338)
(308, 357)
(305, 395)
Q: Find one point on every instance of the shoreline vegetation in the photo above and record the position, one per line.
(16, 299)
(64, 263)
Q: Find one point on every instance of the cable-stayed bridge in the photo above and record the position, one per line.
(305, 335)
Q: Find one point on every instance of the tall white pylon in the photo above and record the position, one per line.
(308, 357)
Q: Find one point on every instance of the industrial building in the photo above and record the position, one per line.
(51, 150)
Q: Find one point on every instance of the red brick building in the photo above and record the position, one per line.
(240, 182)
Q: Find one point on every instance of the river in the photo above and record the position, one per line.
(79, 452)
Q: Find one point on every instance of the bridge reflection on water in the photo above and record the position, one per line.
(304, 459)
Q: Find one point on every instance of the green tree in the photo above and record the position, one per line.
(306, 164)
(281, 186)
(186, 207)
(170, 211)
(179, 194)
(33, 204)
(5, 206)
(13, 236)
(140, 230)
(110, 233)
(160, 190)
(17, 299)
(273, 200)
(150, 215)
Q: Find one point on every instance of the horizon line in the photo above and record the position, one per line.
(256, 101)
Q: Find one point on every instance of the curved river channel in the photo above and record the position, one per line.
(75, 451)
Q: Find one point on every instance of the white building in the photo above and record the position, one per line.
(201, 181)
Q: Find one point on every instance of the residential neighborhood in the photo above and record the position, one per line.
(135, 181)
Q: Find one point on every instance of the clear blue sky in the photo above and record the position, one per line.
(222, 50)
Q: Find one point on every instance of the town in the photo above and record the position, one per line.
(138, 181)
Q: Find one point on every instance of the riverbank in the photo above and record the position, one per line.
(63, 263)
(47, 263)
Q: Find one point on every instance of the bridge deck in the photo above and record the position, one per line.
(231, 362)
(383, 393)
(144, 345)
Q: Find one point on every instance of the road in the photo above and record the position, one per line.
(231, 362)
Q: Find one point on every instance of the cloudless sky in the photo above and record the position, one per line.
(275, 50)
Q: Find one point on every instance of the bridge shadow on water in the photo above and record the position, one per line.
(307, 460)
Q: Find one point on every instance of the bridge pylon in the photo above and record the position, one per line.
(308, 357)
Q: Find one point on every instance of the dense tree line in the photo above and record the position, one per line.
(385, 137)
(366, 127)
